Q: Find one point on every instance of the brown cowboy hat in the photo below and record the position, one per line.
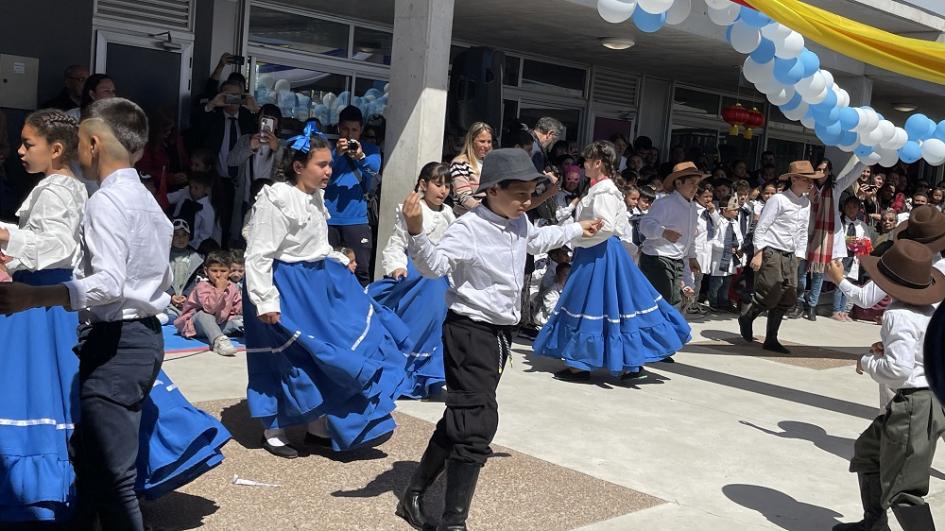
(802, 168)
(926, 225)
(682, 171)
(905, 272)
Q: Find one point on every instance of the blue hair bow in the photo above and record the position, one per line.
(303, 142)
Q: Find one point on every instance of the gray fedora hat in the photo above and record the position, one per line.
(507, 164)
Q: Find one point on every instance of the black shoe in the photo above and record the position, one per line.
(567, 375)
(280, 451)
(914, 517)
(774, 346)
(744, 328)
(810, 313)
(632, 375)
(315, 440)
(667, 359)
(461, 481)
(796, 312)
(410, 509)
(410, 506)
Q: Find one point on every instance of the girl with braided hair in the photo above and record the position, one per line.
(608, 316)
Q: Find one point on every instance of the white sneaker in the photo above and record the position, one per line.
(163, 318)
(224, 347)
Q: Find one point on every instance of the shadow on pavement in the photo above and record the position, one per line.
(733, 344)
(781, 509)
(177, 510)
(600, 378)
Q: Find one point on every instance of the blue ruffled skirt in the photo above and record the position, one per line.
(609, 316)
(39, 408)
(335, 353)
(421, 303)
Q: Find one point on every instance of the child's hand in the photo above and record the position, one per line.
(756, 262)
(591, 226)
(178, 300)
(413, 215)
(687, 291)
(270, 318)
(671, 235)
(834, 271)
(878, 350)
(398, 273)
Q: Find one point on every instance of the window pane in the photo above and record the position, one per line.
(302, 93)
(286, 30)
(512, 66)
(529, 113)
(372, 46)
(695, 102)
(555, 79)
(370, 95)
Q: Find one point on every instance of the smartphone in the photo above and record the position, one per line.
(237, 60)
(233, 99)
(267, 125)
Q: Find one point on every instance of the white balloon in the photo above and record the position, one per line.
(887, 129)
(849, 148)
(718, 4)
(679, 12)
(869, 120)
(874, 137)
(745, 38)
(808, 122)
(775, 31)
(871, 159)
(615, 11)
(725, 16)
(814, 100)
(790, 46)
(843, 97)
(796, 113)
(933, 151)
(811, 86)
(655, 6)
(768, 86)
(888, 157)
(755, 72)
(898, 139)
(828, 76)
(781, 96)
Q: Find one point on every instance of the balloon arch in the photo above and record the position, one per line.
(783, 69)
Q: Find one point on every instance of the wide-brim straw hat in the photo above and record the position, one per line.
(682, 170)
(926, 225)
(906, 274)
(507, 164)
(802, 168)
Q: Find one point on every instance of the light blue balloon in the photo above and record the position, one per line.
(829, 134)
(788, 71)
(826, 113)
(792, 103)
(810, 61)
(910, 152)
(917, 126)
(764, 52)
(648, 22)
(940, 131)
(863, 151)
(754, 18)
(849, 118)
(848, 138)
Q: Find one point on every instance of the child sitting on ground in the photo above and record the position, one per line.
(556, 257)
(237, 269)
(214, 309)
(185, 263)
(192, 204)
(547, 298)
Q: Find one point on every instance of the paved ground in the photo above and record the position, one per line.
(725, 438)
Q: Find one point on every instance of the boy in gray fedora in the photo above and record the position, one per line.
(484, 252)
(893, 457)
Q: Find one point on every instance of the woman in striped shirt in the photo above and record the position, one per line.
(464, 169)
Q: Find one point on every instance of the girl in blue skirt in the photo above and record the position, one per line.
(319, 350)
(608, 316)
(419, 301)
(38, 374)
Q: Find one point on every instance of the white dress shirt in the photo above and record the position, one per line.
(701, 245)
(126, 239)
(603, 201)
(50, 226)
(485, 254)
(288, 225)
(869, 294)
(783, 224)
(204, 220)
(903, 336)
(676, 213)
(434, 226)
(717, 247)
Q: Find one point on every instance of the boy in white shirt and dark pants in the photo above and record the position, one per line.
(120, 287)
(780, 241)
(893, 457)
(484, 305)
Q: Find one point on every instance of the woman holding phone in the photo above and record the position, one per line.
(257, 155)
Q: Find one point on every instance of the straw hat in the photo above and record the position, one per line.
(905, 272)
(682, 171)
(802, 168)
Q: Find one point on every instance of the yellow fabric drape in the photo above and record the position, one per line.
(909, 57)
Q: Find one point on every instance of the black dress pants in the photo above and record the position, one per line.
(358, 239)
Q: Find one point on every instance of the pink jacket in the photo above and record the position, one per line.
(223, 305)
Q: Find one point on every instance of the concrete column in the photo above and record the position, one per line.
(861, 93)
(416, 113)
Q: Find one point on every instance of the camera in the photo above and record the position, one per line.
(353, 146)
(238, 60)
(233, 99)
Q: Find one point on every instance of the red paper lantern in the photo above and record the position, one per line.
(735, 116)
(755, 120)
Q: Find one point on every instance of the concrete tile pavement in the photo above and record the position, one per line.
(730, 441)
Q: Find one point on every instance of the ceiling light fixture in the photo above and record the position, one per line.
(904, 107)
(615, 43)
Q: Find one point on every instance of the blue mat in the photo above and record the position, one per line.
(176, 344)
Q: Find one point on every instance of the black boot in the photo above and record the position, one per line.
(810, 312)
(874, 516)
(771, 334)
(460, 486)
(796, 311)
(749, 313)
(410, 507)
(914, 517)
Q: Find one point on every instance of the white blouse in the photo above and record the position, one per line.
(50, 223)
(604, 201)
(288, 225)
(434, 226)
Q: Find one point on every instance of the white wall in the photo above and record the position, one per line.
(654, 111)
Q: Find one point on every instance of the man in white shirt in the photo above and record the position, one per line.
(120, 287)
(484, 253)
(670, 228)
(780, 241)
(893, 457)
